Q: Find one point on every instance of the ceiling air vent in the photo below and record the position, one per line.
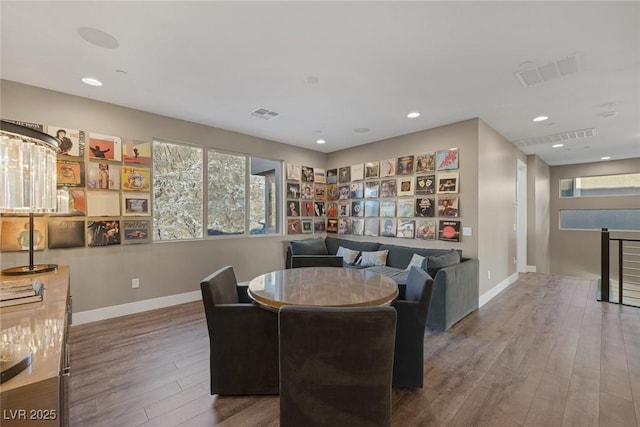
(573, 135)
(265, 114)
(560, 68)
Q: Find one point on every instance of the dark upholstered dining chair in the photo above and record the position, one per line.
(243, 338)
(336, 365)
(413, 309)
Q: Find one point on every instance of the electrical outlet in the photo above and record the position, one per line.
(135, 283)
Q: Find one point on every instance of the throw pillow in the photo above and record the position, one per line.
(416, 261)
(368, 259)
(308, 247)
(445, 260)
(348, 255)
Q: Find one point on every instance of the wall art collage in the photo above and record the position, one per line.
(103, 194)
(410, 197)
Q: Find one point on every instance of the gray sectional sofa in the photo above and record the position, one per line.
(455, 290)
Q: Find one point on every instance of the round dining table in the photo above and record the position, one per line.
(324, 287)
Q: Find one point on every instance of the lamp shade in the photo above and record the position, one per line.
(27, 170)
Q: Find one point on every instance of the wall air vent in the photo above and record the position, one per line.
(265, 114)
(560, 68)
(573, 135)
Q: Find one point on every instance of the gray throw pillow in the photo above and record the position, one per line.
(434, 263)
(308, 247)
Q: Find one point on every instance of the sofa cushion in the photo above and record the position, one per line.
(333, 243)
(398, 275)
(349, 256)
(373, 258)
(308, 247)
(435, 263)
(400, 256)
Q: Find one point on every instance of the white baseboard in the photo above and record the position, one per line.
(531, 269)
(133, 307)
(493, 292)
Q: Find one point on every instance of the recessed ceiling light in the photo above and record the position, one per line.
(91, 81)
(605, 158)
(557, 145)
(321, 141)
(413, 115)
(540, 119)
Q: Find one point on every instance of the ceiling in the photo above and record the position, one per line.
(349, 72)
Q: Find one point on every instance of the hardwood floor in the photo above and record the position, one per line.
(542, 353)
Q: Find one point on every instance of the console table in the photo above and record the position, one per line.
(38, 395)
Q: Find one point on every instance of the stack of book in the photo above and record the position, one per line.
(15, 292)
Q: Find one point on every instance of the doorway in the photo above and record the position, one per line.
(521, 217)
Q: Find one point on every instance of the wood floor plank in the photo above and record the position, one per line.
(544, 352)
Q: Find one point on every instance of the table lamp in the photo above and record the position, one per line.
(27, 180)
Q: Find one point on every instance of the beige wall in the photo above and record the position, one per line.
(538, 200)
(497, 167)
(101, 277)
(575, 252)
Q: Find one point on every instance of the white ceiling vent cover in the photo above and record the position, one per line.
(562, 67)
(265, 114)
(557, 137)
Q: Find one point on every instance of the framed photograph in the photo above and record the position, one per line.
(343, 208)
(294, 226)
(293, 190)
(387, 168)
(306, 190)
(307, 174)
(320, 225)
(319, 175)
(405, 186)
(357, 208)
(371, 226)
(404, 208)
(387, 208)
(332, 176)
(332, 191)
(449, 231)
(136, 152)
(14, 235)
(447, 159)
(405, 165)
(103, 176)
(307, 226)
(426, 162)
(357, 227)
(136, 231)
(320, 191)
(343, 191)
(344, 174)
(406, 228)
(306, 207)
(332, 225)
(388, 228)
(344, 226)
(293, 208)
(357, 190)
(357, 172)
(319, 209)
(371, 208)
(71, 201)
(426, 207)
(425, 229)
(371, 189)
(136, 204)
(70, 173)
(388, 187)
(425, 184)
(136, 178)
(70, 141)
(65, 234)
(332, 210)
(448, 206)
(371, 170)
(106, 147)
(294, 172)
(103, 203)
(448, 182)
(103, 233)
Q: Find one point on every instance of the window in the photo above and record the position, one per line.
(605, 185)
(596, 219)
